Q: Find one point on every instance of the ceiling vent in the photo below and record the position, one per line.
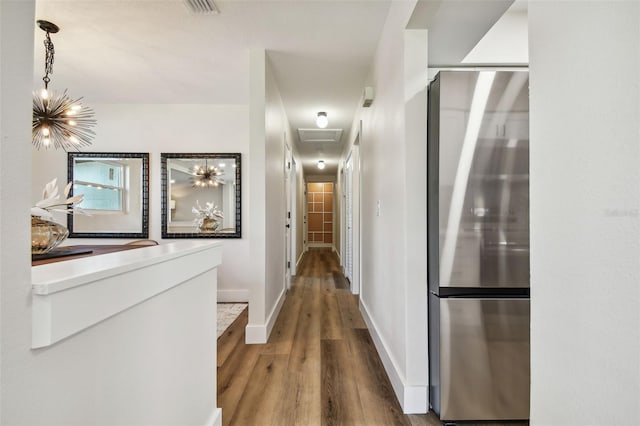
(320, 135)
(201, 7)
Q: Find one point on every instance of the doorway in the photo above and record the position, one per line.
(320, 214)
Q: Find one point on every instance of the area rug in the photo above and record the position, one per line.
(227, 314)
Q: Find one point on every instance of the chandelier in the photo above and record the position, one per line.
(207, 176)
(58, 120)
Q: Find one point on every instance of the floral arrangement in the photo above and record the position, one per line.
(206, 214)
(51, 201)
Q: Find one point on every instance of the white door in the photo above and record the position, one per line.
(348, 177)
(288, 160)
(293, 208)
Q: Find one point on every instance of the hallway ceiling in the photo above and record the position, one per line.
(157, 51)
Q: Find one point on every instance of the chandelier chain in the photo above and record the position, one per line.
(48, 61)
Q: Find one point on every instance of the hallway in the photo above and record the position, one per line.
(320, 366)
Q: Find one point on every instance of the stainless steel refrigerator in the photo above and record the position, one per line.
(478, 245)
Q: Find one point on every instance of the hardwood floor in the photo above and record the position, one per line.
(320, 366)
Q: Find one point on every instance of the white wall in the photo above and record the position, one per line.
(505, 43)
(16, 64)
(585, 220)
(269, 131)
(157, 128)
(393, 255)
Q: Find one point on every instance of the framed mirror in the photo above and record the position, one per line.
(201, 195)
(116, 194)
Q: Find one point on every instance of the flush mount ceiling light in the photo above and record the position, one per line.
(322, 121)
(57, 119)
(321, 164)
(205, 176)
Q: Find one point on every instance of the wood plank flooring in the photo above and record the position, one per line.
(320, 366)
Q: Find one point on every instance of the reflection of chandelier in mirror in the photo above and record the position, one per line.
(204, 177)
(57, 119)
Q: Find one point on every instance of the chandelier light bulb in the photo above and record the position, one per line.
(44, 94)
(322, 121)
(46, 141)
(45, 131)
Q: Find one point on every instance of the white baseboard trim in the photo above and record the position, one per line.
(215, 419)
(412, 398)
(259, 333)
(233, 296)
(320, 245)
(300, 259)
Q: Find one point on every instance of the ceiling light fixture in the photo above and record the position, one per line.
(321, 164)
(322, 121)
(57, 119)
(207, 176)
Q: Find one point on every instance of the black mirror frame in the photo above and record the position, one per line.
(238, 194)
(71, 156)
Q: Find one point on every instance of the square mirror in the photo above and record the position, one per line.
(116, 194)
(200, 195)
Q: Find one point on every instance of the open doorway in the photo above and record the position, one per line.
(320, 214)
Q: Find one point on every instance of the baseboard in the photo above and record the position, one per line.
(320, 245)
(233, 296)
(259, 333)
(412, 398)
(215, 419)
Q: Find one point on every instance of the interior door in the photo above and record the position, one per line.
(348, 176)
(287, 237)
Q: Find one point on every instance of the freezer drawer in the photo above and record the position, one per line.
(480, 365)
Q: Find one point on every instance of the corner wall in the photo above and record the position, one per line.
(393, 250)
(585, 212)
(269, 131)
(17, 20)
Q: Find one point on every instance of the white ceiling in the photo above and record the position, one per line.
(321, 51)
(156, 51)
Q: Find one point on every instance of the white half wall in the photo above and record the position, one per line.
(158, 128)
(585, 212)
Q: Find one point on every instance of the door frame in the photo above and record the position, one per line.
(354, 157)
(288, 160)
(293, 231)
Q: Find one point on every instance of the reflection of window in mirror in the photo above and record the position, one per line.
(116, 194)
(103, 183)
